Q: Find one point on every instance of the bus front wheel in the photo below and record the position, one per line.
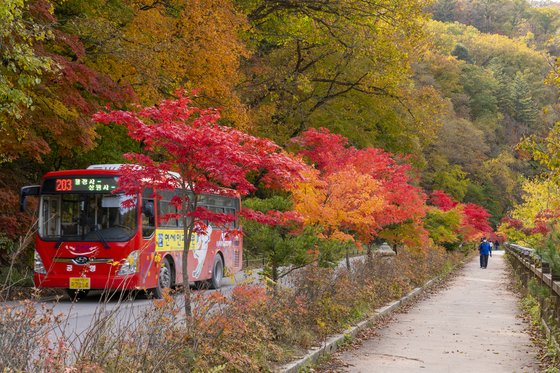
(165, 279)
(217, 273)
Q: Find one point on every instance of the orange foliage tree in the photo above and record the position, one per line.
(160, 46)
(342, 203)
(358, 194)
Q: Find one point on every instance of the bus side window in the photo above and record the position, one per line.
(165, 207)
(148, 218)
(234, 224)
(217, 210)
(51, 216)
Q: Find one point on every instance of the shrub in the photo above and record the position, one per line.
(253, 329)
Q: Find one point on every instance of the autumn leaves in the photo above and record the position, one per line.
(344, 193)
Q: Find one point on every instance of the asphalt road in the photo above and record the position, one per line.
(78, 317)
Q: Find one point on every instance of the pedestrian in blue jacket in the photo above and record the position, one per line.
(485, 250)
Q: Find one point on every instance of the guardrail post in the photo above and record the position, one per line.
(557, 310)
(551, 309)
(524, 277)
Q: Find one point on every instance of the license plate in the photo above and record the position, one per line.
(80, 283)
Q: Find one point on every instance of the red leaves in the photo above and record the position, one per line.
(13, 222)
(274, 218)
(404, 205)
(205, 155)
(208, 156)
(442, 200)
(474, 218)
(541, 223)
(474, 221)
(477, 216)
(332, 155)
(514, 223)
(326, 150)
(540, 227)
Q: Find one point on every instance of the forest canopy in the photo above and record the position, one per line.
(450, 88)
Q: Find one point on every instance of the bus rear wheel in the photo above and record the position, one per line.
(217, 273)
(165, 279)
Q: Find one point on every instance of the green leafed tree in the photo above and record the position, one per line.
(288, 245)
(525, 110)
(312, 58)
(21, 66)
(444, 227)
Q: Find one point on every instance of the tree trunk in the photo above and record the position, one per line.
(187, 236)
(369, 252)
(347, 259)
(186, 286)
(274, 270)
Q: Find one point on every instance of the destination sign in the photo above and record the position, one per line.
(79, 184)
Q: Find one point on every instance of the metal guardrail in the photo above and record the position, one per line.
(259, 262)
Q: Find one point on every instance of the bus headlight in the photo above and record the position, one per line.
(130, 264)
(38, 267)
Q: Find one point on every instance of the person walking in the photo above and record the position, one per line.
(485, 250)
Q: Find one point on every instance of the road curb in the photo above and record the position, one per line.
(332, 344)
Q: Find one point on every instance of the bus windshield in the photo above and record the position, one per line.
(86, 217)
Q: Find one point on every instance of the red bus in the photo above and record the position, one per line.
(87, 240)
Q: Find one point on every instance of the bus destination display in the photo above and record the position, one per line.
(80, 184)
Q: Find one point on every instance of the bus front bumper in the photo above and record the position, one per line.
(88, 282)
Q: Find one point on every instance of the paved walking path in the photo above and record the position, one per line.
(471, 326)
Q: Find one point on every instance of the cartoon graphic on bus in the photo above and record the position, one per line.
(200, 251)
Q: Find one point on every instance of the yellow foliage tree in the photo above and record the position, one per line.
(159, 46)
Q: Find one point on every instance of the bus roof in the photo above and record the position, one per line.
(112, 169)
(80, 172)
(109, 166)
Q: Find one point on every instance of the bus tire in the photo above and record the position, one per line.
(217, 272)
(165, 278)
(77, 294)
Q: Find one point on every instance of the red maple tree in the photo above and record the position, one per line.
(442, 200)
(474, 221)
(206, 157)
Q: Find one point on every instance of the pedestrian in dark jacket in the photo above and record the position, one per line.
(485, 250)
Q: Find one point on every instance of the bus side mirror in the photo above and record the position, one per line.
(30, 190)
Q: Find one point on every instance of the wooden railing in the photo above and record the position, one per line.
(528, 265)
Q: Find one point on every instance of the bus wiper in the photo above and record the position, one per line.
(105, 244)
(58, 242)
